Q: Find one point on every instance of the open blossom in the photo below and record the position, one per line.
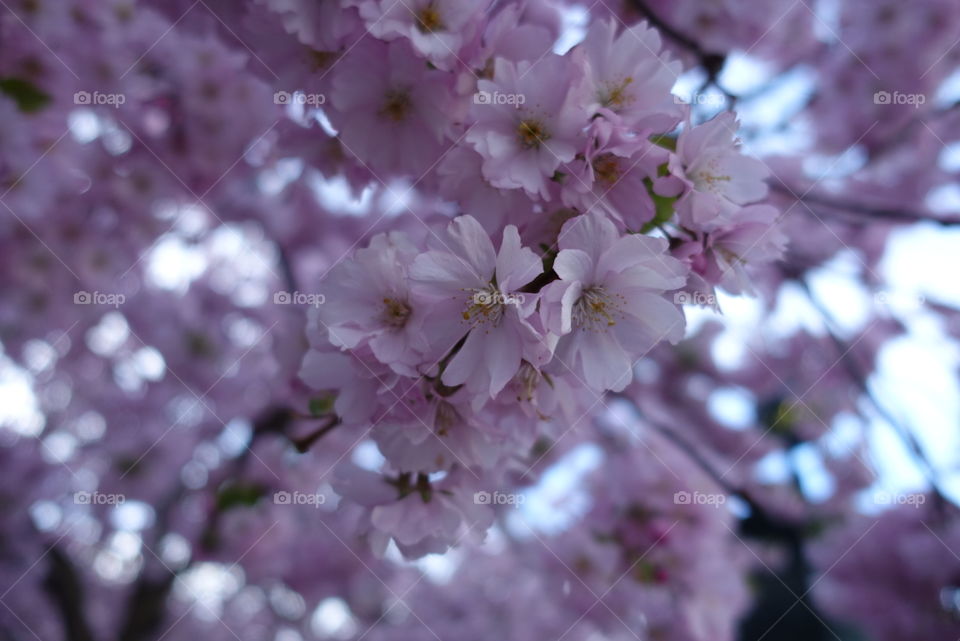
(629, 78)
(324, 26)
(718, 178)
(612, 176)
(508, 36)
(472, 286)
(722, 256)
(437, 29)
(608, 306)
(528, 120)
(367, 301)
(400, 99)
(420, 516)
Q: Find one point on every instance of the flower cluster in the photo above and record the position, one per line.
(582, 222)
(299, 293)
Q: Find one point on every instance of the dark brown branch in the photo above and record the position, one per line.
(305, 442)
(147, 607)
(711, 62)
(859, 378)
(885, 214)
(64, 586)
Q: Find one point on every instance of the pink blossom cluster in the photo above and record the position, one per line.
(582, 224)
(429, 319)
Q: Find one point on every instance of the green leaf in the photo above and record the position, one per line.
(667, 142)
(238, 495)
(664, 208)
(28, 97)
(321, 405)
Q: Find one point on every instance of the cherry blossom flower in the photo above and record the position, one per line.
(722, 257)
(613, 176)
(400, 99)
(629, 78)
(718, 177)
(437, 29)
(367, 301)
(608, 305)
(471, 284)
(528, 120)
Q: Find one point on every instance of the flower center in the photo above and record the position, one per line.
(485, 306)
(531, 134)
(395, 312)
(528, 378)
(706, 180)
(597, 309)
(396, 106)
(428, 19)
(729, 256)
(606, 168)
(446, 417)
(615, 94)
(709, 177)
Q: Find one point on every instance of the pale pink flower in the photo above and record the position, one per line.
(608, 306)
(612, 176)
(420, 516)
(528, 120)
(472, 286)
(718, 177)
(437, 29)
(367, 301)
(506, 36)
(722, 256)
(391, 110)
(628, 77)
